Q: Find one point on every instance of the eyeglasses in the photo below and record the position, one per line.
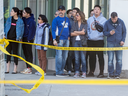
(77, 15)
(39, 18)
(56, 14)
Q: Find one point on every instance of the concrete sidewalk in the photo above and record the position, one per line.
(61, 90)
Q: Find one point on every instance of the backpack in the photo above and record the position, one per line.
(50, 41)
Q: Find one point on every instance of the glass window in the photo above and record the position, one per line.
(32, 5)
(6, 10)
(19, 4)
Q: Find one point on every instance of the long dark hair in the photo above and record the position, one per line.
(82, 15)
(16, 10)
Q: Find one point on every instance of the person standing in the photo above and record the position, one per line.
(28, 36)
(14, 29)
(64, 27)
(79, 39)
(42, 37)
(70, 63)
(96, 39)
(69, 13)
(115, 31)
(56, 13)
(87, 55)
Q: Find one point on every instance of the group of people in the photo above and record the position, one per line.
(22, 27)
(71, 31)
(75, 31)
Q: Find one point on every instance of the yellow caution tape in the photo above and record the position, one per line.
(75, 48)
(6, 41)
(71, 82)
(34, 66)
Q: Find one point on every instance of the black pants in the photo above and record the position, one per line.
(87, 55)
(92, 55)
(70, 63)
(27, 50)
(12, 47)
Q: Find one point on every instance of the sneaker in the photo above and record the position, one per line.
(62, 75)
(117, 77)
(110, 77)
(76, 75)
(39, 74)
(100, 76)
(23, 70)
(27, 71)
(83, 75)
(69, 73)
(36, 73)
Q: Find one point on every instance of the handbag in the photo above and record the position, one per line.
(58, 37)
(98, 26)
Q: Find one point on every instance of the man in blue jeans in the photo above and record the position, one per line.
(64, 27)
(115, 31)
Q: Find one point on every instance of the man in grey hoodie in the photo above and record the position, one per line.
(96, 39)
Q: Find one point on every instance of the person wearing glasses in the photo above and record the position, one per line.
(79, 39)
(13, 30)
(28, 36)
(42, 37)
(56, 13)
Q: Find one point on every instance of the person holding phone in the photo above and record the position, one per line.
(79, 39)
(115, 31)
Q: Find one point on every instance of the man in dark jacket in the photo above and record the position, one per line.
(28, 36)
(115, 31)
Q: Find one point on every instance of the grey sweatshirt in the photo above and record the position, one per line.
(93, 34)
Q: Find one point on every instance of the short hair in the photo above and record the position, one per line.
(44, 18)
(77, 9)
(114, 14)
(69, 11)
(91, 10)
(97, 6)
(28, 10)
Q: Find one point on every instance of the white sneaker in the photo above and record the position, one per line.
(37, 73)
(23, 70)
(41, 74)
(27, 71)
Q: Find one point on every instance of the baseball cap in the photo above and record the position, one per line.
(61, 7)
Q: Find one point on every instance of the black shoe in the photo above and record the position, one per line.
(90, 74)
(14, 72)
(73, 70)
(100, 76)
(6, 72)
(62, 75)
(54, 74)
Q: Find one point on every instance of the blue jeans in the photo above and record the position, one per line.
(118, 55)
(61, 57)
(79, 55)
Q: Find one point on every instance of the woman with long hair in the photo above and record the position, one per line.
(14, 29)
(79, 39)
